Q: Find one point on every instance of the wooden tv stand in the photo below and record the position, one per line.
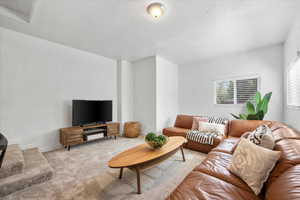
(77, 134)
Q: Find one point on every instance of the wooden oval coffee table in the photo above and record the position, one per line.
(143, 157)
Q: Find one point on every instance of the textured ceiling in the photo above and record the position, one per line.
(189, 31)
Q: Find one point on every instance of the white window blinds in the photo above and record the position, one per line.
(293, 84)
(235, 91)
(245, 89)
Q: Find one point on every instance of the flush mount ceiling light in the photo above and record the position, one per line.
(156, 10)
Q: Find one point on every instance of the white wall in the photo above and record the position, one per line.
(125, 92)
(38, 80)
(291, 46)
(166, 93)
(145, 93)
(155, 93)
(196, 81)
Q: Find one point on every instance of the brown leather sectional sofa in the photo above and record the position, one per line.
(182, 125)
(212, 180)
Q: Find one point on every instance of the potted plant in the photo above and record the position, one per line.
(256, 110)
(155, 141)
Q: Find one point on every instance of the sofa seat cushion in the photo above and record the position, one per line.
(286, 187)
(174, 131)
(290, 156)
(227, 145)
(216, 164)
(201, 186)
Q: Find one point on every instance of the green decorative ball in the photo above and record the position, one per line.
(155, 141)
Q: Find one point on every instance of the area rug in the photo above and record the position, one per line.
(83, 174)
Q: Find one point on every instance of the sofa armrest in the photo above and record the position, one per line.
(175, 131)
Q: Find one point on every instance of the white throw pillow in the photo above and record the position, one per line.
(207, 127)
(262, 136)
(253, 163)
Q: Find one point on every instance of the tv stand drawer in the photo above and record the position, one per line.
(77, 135)
(113, 129)
(75, 141)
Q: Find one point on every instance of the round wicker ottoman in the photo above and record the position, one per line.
(132, 129)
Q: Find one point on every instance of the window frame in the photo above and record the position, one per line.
(234, 79)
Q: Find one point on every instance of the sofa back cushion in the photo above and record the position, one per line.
(184, 121)
(286, 187)
(280, 133)
(238, 127)
(290, 156)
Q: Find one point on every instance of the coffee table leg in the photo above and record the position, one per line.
(138, 180)
(183, 158)
(121, 173)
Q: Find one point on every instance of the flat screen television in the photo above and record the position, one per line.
(88, 112)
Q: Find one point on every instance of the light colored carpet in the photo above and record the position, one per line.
(82, 173)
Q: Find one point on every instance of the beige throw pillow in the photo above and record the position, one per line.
(253, 163)
(196, 120)
(207, 127)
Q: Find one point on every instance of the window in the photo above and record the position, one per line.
(236, 91)
(293, 85)
(225, 92)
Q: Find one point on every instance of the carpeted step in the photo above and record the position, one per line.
(13, 162)
(36, 170)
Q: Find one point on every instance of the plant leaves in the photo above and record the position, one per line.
(257, 110)
(243, 116)
(267, 97)
(265, 102)
(253, 116)
(250, 108)
(235, 116)
(257, 97)
(261, 115)
(258, 106)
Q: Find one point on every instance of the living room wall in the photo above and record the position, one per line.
(196, 81)
(125, 91)
(166, 93)
(145, 93)
(38, 80)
